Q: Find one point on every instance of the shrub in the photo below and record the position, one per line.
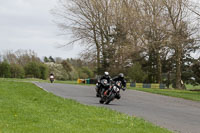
(17, 71)
(85, 72)
(135, 73)
(43, 71)
(32, 70)
(5, 70)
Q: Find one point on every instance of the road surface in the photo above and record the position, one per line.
(177, 115)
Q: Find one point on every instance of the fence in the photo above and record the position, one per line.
(137, 85)
(143, 85)
(87, 81)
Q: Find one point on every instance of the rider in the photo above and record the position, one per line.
(120, 77)
(51, 77)
(99, 86)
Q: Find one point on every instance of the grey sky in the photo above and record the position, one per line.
(28, 24)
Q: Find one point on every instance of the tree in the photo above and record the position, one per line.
(196, 72)
(58, 60)
(136, 74)
(26, 56)
(93, 23)
(21, 57)
(51, 59)
(43, 71)
(118, 34)
(17, 71)
(181, 36)
(85, 73)
(5, 69)
(66, 66)
(46, 59)
(32, 70)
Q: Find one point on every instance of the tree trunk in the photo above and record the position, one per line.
(98, 61)
(159, 68)
(98, 51)
(178, 68)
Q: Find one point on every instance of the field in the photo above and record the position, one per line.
(25, 108)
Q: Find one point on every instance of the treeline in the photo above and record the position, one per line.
(69, 69)
(149, 40)
(22, 64)
(26, 64)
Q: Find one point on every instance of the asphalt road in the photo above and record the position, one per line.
(176, 114)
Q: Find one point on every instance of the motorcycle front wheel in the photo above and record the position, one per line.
(112, 96)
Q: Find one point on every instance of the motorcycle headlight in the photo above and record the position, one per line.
(115, 88)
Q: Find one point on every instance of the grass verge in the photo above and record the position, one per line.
(25, 108)
(185, 94)
(37, 80)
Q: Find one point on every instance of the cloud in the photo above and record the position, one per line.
(27, 24)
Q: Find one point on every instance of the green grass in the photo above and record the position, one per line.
(186, 94)
(40, 80)
(25, 108)
(191, 87)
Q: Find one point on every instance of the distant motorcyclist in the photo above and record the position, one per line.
(120, 78)
(99, 86)
(51, 77)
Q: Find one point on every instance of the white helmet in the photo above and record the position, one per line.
(106, 73)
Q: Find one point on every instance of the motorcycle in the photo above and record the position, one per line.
(112, 93)
(51, 79)
(103, 84)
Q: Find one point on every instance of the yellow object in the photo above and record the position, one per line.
(155, 86)
(79, 81)
(139, 85)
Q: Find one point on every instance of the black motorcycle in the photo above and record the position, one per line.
(103, 84)
(111, 93)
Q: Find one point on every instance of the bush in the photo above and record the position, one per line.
(43, 71)
(17, 71)
(57, 70)
(85, 72)
(32, 70)
(5, 70)
(136, 74)
(62, 73)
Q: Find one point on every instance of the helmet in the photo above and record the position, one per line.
(121, 75)
(106, 73)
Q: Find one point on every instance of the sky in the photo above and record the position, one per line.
(29, 24)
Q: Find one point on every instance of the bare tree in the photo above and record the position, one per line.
(114, 31)
(21, 57)
(154, 32)
(181, 35)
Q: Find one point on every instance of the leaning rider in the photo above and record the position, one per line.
(120, 77)
(99, 85)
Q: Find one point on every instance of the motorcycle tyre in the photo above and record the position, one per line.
(111, 98)
(101, 101)
(97, 94)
